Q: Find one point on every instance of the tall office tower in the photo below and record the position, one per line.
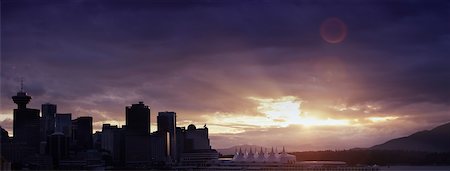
(48, 120)
(160, 147)
(167, 124)
(82, 133)
(63, 124)
(137, 135)
(112, 140)
(180, 144)
(97, 140)
(138, 118)
(26, 124)
(58, 147)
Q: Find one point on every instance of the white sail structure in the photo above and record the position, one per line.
(264, 157)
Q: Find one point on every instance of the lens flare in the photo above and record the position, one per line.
(333, 30)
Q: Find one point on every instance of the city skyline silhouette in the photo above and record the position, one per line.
(53, 140)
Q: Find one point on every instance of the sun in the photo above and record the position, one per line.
(286, 111)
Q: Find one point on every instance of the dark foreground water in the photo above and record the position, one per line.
(415, 168)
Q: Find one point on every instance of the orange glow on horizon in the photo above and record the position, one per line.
(279, 113)
(382, 119)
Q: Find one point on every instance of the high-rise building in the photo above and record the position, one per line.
(137, 135)
(113, 141)
(138, 118)
(97, 140)
(167, 125)
(82, 133)
(137, 149)
(180, 143)
(58, 147)
(160, 147)
(63, 124)
(26, 125)
(48, 120)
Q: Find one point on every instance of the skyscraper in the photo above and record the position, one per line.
(138, 118)
(26, 124)
(48, 120)
(137, 134)
(63, 124)
(58, 147)
(167, 124)
(180, 141)
(113, 141)
(82, 133)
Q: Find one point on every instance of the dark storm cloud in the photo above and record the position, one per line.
(201, 57)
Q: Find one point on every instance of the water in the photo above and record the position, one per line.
(415, 168)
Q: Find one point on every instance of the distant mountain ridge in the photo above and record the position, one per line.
(435, 140)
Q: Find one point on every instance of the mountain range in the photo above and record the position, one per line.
(434, 140)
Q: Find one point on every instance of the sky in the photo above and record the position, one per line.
(307, 75)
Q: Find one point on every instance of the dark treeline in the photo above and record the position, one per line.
(378, 157)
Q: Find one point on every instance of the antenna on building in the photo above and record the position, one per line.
(21, 84)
